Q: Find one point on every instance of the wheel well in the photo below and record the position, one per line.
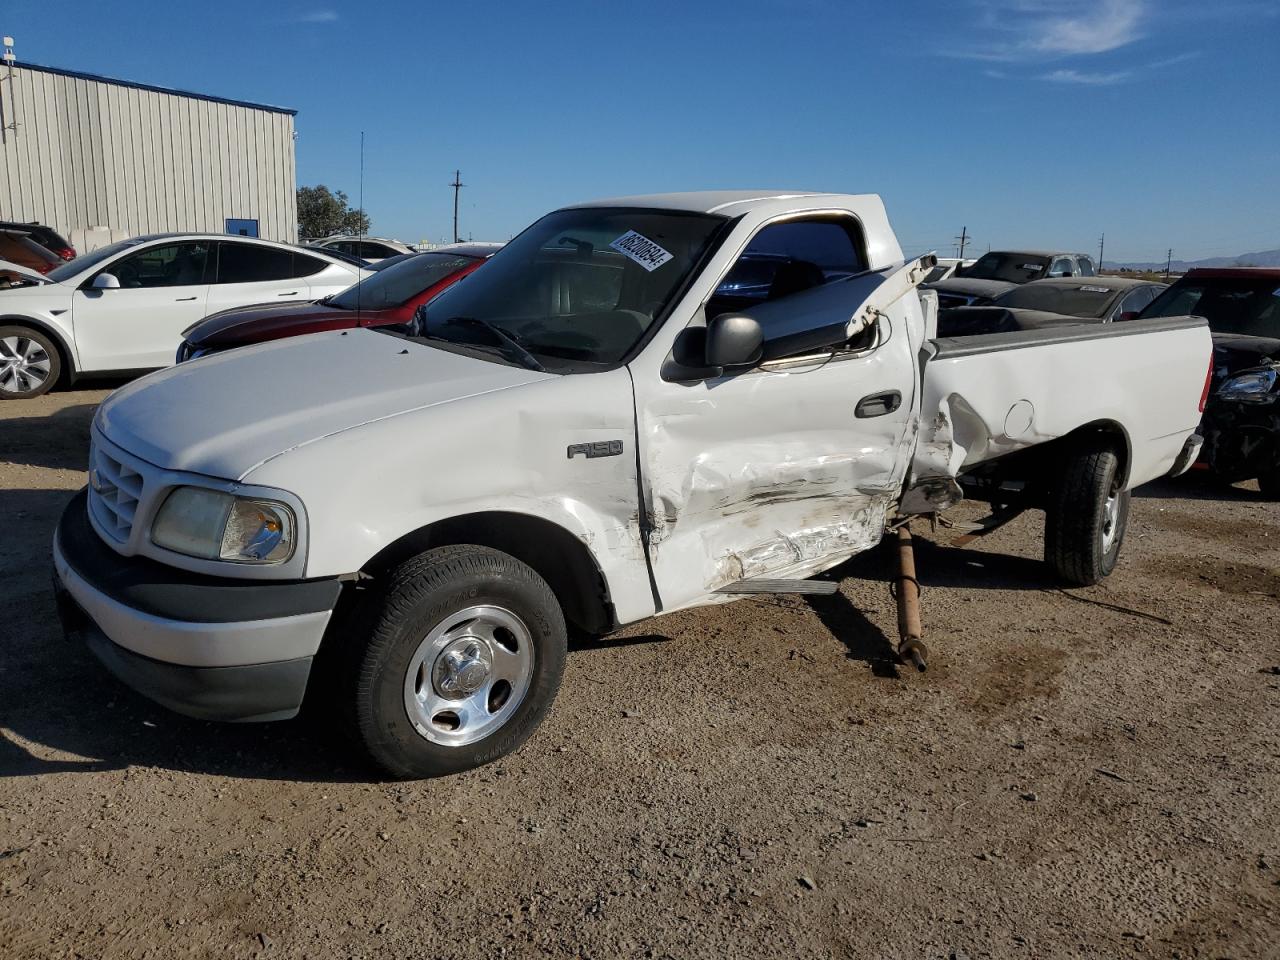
(1106, 429)
(1038, 467)
(554, 553)
(64, 352)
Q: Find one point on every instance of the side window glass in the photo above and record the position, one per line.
(1133, 302)
(1062, 267)
(171, 265)
(374, 251)
(250, 263)
(305, 266)
(788, 258)
(1086, 267)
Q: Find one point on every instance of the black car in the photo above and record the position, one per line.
(1241, 425)
(47, 237)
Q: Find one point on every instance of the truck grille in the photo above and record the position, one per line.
(114, 492)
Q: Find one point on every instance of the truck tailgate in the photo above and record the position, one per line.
(988, 395)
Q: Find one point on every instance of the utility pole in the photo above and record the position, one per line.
(1102, 242)
(1168, 263)
(963, 240)
(457, 185)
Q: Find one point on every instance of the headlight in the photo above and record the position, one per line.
(214, 525)
(1252, 387)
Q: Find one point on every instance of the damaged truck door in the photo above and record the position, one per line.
(783, 467)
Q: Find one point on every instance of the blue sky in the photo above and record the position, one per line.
(1031, 123)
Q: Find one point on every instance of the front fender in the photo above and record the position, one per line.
(370, 486)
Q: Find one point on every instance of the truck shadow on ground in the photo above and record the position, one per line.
(943, 565)
(937, 565)
(56, 441)
(1197, 485)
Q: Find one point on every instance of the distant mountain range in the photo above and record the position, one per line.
(1263, 258)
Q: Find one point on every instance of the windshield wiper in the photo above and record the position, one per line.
(509, 345)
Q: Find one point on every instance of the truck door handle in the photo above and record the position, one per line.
(183, 299)
(878, 404)
(291, 293)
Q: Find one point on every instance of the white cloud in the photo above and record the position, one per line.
(1032, 29)
(1111, 24)
(1089, 79)
(319, 16)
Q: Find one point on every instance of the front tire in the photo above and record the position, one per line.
(463, 656)
(1087, 514)
(29, 363)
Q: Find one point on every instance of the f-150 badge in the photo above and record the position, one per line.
(601, 448)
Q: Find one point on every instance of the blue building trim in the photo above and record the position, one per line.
(78, 75)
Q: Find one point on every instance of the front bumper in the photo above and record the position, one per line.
(209, 647)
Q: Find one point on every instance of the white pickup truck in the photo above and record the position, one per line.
(640, 405)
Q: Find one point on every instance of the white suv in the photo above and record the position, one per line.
(123, 307)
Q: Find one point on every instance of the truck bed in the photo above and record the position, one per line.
(990, 395)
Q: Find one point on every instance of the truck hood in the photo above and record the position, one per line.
(225, 414)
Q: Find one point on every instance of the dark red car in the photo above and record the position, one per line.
(389, 296)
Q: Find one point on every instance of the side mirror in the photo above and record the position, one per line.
(106, 281)
(733, 340)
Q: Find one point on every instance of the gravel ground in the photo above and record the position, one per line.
(1091, 773)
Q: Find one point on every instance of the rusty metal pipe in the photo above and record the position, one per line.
(911, 648)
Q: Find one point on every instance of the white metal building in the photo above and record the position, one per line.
(100, 159)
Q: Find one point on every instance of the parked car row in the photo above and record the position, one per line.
(385, 297)
(124, 307)
(368, 249)
(1000, 271)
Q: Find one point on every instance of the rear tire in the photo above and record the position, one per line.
(1269, 484)
(463, 655)
(30, 364)
(1087, 514)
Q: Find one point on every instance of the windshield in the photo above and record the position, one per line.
(1073, 300)
(578, 289)
(1245, 305)
(400, 281)
(73, 268)
(1013, 267)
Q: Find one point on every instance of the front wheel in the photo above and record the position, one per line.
(1086, 516)
(462, 660)
(29, 363)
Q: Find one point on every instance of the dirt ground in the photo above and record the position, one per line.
(1083, 774)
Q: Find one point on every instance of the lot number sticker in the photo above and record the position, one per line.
(641, 249)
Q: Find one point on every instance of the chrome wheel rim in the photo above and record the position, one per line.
(24, 364)
(1111, 520)
(469, 675)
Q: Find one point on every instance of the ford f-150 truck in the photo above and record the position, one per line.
(594, 429)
